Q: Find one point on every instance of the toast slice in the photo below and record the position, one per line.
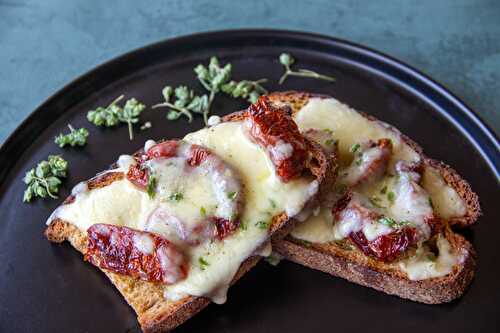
(343, 259)
(155, 313)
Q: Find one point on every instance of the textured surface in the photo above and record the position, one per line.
(45, 44)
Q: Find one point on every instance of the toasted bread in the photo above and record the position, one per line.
(350, 263)
(155, 313)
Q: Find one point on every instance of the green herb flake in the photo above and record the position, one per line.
(151, 186)
(273, 203)
(232, 195)
(203, 212)
(203, 263)
(355, 147)
(383, 190)
(262, 224)
(177, 196)
(358, 161)
(391, 196)
(330, 142)
(385, 220)
(431, 203)
(44, 180)
(388, 222)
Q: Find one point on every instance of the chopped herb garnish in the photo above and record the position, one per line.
(287, 61)
(203, 212)
(113, 114)
(330, 142)
(391, 196)
(250, 90)
(151, 187)
(383, 190)
(203, 263)
(358, 162)
(328, 131)
(76, 137)
(355, 147)
(177, 196)
(431, 203)
(232, 195)
(262, 224)
(273, 203)
(44, 180)
(385, 220)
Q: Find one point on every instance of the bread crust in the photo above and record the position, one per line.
(154, 312)
(351, 264)
(354, 268)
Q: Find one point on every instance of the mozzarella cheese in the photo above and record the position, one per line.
(265, 196)
(349, 127)
(424, 266)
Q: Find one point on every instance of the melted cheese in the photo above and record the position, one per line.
(424, 266)
(265, 195)
(349, 127)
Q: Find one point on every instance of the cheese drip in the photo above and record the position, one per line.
(212, 263)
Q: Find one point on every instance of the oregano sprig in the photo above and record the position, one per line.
(287, 61)
(212, 78)
(76, 137)
(250, 90)
(181, 101)
(113, 114)
(44, 180)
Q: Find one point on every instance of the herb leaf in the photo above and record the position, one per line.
(391, 196)
(212, 78)
(262, 224)
(355, 147)
(203, 263)
(151, 187)
(385, 220)
(113, 114)
(73, 138)
(287, 61)
(250, 90)
(177, 196)
(44, 180)
(182, 101)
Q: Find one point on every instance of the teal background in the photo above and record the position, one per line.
(44, 44)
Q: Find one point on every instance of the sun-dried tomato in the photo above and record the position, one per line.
(272, 126)
(119, 249)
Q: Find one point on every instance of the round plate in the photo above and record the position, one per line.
(48, 288)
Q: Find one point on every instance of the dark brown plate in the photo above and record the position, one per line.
(48, 288)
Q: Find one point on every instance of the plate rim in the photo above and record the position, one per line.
(489, 146)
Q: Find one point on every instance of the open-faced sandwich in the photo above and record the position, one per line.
(387, 221)
(176, 223)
